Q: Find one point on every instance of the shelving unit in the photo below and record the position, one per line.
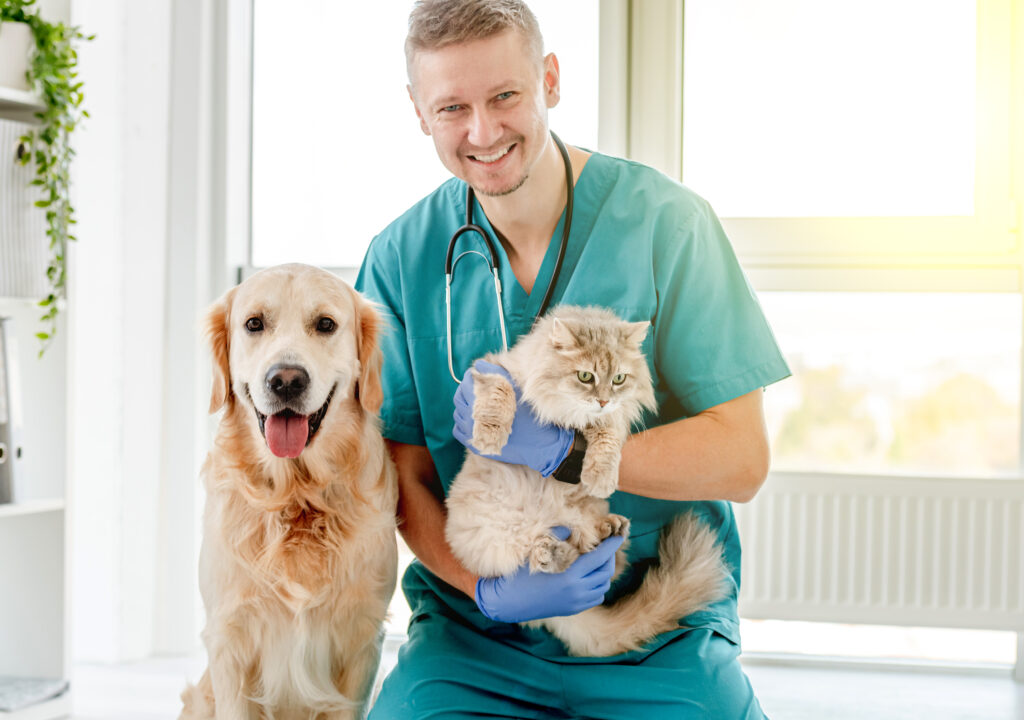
(34, 611)
(30, 507)
(56, 708)
(19, 105)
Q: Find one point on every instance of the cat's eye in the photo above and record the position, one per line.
(619, 379)
(585, 377)
(254, 324)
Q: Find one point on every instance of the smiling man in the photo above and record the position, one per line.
(636, 242)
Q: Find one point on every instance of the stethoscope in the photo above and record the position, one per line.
(492, 262)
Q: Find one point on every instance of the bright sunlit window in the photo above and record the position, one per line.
(799, 108)
(337, 149)
(897, 382)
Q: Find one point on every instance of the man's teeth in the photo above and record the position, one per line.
(495, 156)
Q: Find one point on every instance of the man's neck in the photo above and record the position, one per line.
(524, 219)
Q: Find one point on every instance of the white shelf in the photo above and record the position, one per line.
(34, 615)
(19, 105)
(17, 301)
(30, 507)
(59, 707)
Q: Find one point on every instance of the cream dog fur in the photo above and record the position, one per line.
(299, 554)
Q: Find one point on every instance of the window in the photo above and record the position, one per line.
(337, 150)
(861, 158)
(925, 383)
(842, 114)
(825, 131)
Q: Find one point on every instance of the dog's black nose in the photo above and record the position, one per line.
(287, 381)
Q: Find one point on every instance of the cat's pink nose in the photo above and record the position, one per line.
(602, 403)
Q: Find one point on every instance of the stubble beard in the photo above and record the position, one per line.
(506, 191)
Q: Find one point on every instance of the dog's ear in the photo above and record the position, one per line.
(369, 390)
(218, 335)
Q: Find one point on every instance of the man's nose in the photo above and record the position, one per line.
(484, 129)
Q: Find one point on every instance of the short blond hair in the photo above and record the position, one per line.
(434, 24)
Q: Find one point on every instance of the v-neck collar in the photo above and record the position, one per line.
(521, 308)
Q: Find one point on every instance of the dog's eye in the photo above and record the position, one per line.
(254, 324)
(325, 325)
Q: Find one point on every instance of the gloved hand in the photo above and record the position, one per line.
(523, 596)
(537, 444)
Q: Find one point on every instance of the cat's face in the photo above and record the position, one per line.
(598, 369)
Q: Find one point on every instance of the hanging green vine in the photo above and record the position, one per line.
(52, 76)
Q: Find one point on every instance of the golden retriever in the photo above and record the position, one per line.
(299, 553)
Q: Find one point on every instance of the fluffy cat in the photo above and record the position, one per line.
(581, 368)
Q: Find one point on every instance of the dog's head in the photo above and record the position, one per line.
(289, 344)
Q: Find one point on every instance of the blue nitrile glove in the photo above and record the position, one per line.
(523, 596)
(537, 444)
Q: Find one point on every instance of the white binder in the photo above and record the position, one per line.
(10, 414)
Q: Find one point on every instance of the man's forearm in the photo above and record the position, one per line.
(422, 516)
(719, 454)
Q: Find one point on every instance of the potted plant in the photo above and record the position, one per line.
(51, 75)
(15, 51)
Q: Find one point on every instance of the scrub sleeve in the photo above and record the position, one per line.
(649, 249)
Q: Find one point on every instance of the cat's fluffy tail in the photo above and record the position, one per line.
(690, 576)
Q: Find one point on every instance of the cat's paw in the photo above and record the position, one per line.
(494, 409)
(551, 555)
(599, 482)
(613, 525)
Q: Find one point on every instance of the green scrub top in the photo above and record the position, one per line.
(640, 244)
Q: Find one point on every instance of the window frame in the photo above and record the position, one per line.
(778, 254)
(783, 252)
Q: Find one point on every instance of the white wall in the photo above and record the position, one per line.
(151, 256)
(116, 303)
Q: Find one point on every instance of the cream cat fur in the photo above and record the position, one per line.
(581, 368)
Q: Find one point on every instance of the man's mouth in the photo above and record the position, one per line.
(287, 433)
(494, 157)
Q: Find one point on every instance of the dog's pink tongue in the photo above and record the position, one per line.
(286, 434)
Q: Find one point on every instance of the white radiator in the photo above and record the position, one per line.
(941, 552)
(24, 247)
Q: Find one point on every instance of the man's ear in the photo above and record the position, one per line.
(552, 87)
(218, 334)
(423, 124)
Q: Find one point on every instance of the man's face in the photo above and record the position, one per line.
(485, 104)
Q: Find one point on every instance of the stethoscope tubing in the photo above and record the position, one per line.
(492, 262)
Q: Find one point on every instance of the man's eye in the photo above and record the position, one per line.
(254, 324)
(450, 108)
(325, 325)
(505, 95)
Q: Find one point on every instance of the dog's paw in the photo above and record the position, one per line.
(613, 525)
(551, 555)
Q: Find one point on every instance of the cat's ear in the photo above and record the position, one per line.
(636, 332)
(562, 336)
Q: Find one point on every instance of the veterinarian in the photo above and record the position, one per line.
(640, 244)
